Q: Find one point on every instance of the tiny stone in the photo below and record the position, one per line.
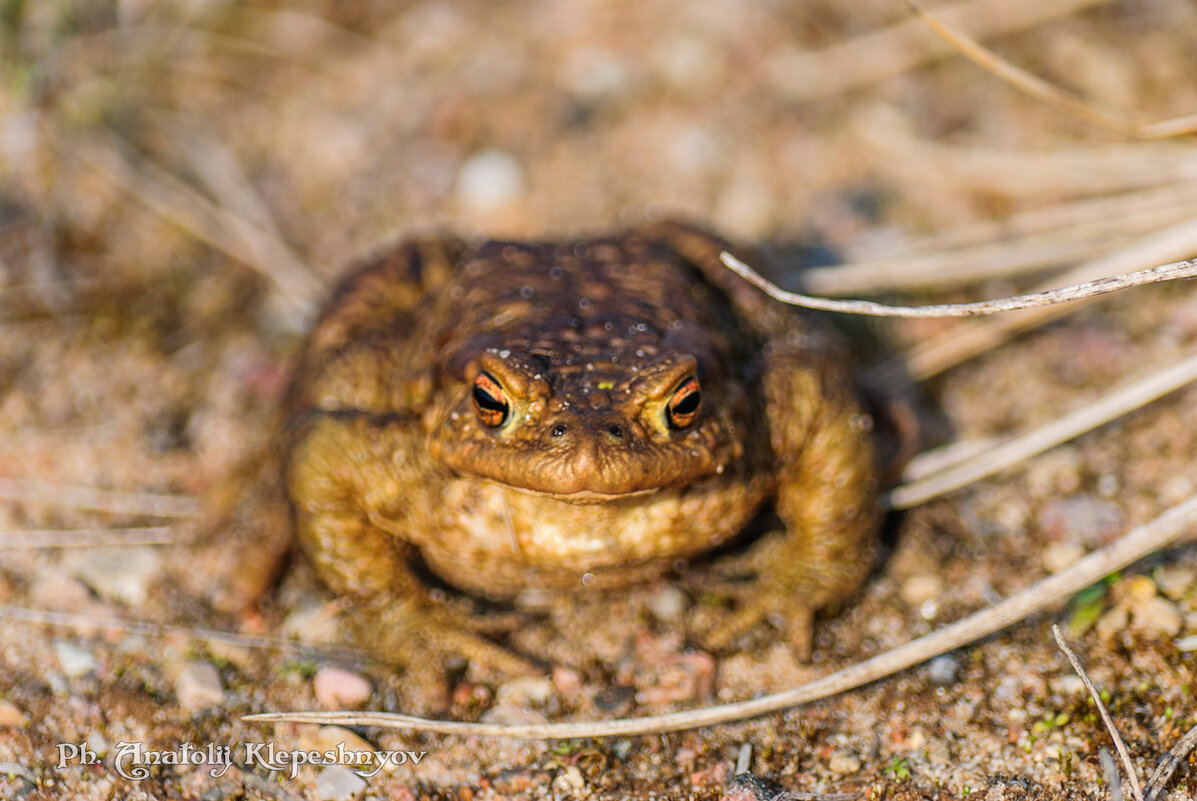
(59, 592)
(338, 783)
(524, 692)
(1175, 581)
(1069, 684)
(489, 180)
(669, 604)
(198, 686)
(921, 588)
(11, 715)
(98, 743)
(327, 738)
(339, 689)
(1082, 518)
(943, 670)
(117, 574)
(513, 716)
(1187, 644)
(843, 763)
(567, 681)
(1059, 555)
(73, 660)
(1156, 615)
(570, 779)
(314, 624)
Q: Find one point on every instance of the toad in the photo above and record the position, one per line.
(583, 414)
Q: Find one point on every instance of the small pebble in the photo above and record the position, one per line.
(73, 660)
(1175, 581)
(1059, 555)
(198, 686)
(567, 681)
(510, 715)
(749, 787)
(11, 715)
(338, 783)
(669, 604)
(489, 180)
(843, 763)
(59, 592)
(117, 574)
(314, 624)
(922, 587)
(1069, 684)
(1156, 616)
(340, 689)
(524, 692)
(571, 779)
(327, 738)
(1082, 518)
(943, 670)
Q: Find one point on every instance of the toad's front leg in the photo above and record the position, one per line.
(826, 494)
(346, 471)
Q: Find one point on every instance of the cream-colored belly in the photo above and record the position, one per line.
(496, 541)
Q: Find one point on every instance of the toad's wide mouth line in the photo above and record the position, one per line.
(581, 496)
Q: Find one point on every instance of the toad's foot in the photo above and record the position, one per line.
(795, 619)
(418, 636)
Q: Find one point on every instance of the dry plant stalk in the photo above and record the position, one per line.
(1049, 297)
(1049, 93)
(1119, 744)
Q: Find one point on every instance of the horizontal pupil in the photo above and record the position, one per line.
(488, 401)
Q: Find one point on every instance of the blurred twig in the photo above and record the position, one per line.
(968, 338)
(907, 44)
(121, 503)
(1006, 248)
(1049, 93)
(87, 537)
(294, 281)
(1018, 449)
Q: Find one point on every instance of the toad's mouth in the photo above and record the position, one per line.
(580, 496)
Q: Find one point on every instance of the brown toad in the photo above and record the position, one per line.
(570, 414)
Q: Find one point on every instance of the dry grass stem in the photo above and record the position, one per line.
(1049, 93)
(88, 537)
(1131, 775)
(1048, 297)
(1158, 783)
(94, 622)
(1096, 214)
(166, 195)
(970, 338)
(120, 503)
(1164, 530)
(1020, 448)
(936, 266)
(906, 44)
(946, 457)
(1093, 170)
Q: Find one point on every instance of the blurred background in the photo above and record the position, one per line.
(181, 180)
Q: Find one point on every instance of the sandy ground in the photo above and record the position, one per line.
(182, 180)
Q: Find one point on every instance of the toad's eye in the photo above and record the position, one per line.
(490, 401)
(683, 406)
